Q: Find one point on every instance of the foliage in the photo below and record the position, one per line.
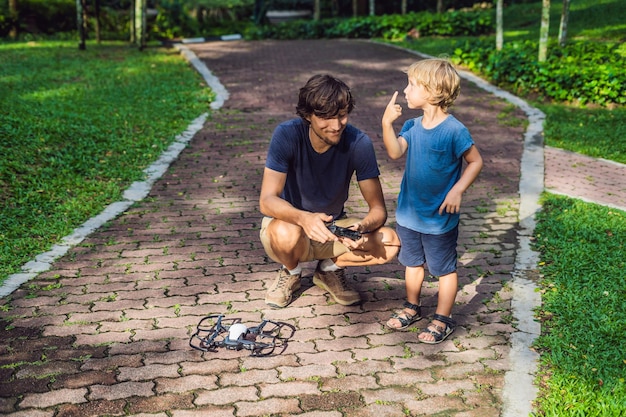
(76, 128)
(580, 72)
(45, 16)
(182, 18)
(392, 27)
(582, 351)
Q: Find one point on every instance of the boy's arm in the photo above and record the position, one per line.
(452, 202)
(395, 145)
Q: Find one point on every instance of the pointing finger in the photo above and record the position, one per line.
(393, 98)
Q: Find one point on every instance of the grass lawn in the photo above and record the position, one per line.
(76, 128)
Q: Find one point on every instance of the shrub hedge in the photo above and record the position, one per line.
(578, 73)
(389, 27)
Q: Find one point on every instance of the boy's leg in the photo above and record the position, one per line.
(448, 285)
(441, 257)
(413, 279)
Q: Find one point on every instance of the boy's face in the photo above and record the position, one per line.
(416, 95)
(328, 130)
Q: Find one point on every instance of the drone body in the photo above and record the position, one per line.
(215, 332)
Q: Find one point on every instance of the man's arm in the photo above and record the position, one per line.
(373, 194)
(272, 205)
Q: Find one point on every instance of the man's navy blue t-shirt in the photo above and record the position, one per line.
(319, 183)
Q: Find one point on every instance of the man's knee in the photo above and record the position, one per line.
(283, 233)
(389, 237)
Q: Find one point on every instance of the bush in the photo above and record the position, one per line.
(391, 27)
(581, 72)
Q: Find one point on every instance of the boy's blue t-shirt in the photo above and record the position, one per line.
(433, 165)
(320, 183)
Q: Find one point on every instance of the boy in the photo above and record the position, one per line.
(433, 184)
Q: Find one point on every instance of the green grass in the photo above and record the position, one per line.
(583, 314)
(76, 128)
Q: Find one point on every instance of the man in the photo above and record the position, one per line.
(309, 166)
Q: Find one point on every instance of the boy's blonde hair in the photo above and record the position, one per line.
(439, 78)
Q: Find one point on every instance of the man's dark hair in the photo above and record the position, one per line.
(324, 96)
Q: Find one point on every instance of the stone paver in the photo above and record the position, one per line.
(105, 330)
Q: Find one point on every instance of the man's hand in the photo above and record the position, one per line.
(314, 226)
(354, 244)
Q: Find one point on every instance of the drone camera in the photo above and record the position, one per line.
(236, 331)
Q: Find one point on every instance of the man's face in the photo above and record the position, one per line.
(328, 130)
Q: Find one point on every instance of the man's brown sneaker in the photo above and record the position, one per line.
(280, 293)
(335, 283)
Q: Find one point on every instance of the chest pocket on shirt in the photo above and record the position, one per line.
(439, 159)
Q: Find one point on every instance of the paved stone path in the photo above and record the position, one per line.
(590, 179)
(105, 330)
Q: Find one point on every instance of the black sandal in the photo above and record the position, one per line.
(405, 318)
(439, 333)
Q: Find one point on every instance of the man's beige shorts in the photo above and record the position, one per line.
(317, 250)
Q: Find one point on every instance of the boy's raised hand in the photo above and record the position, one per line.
(392, 111)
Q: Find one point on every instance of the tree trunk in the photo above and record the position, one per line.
(15, 21)
(439, 6)
(355, 8)
(80, 24)
(140, 23)
(564, 21)
(97, 15)
(133, 29)
(403, 7)
(499, 26)
(372, 7)
(543, 32)
(317, 9)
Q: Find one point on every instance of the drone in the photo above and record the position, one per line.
(215, 332)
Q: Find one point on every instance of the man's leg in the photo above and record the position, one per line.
(378, 248)
(285, 243)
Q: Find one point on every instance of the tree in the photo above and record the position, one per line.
(14, 19)
(499, 26)
(564, 20)
(97, 16)
(317, 9)
(80, 23)
(403, 7)
(439, 6)
(543, 31)
(140, 23)
(372, 7)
